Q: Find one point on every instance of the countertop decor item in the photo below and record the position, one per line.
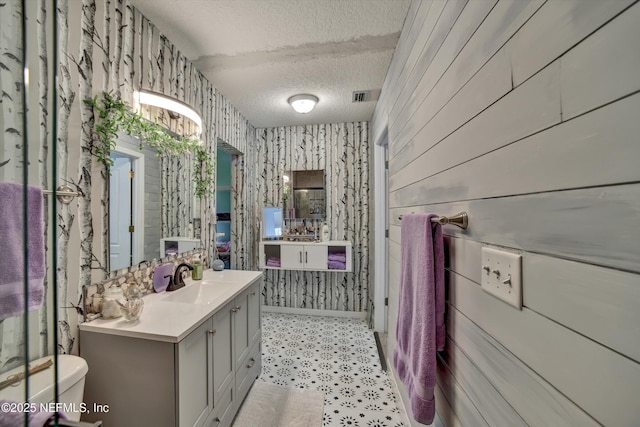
(133, 305)
(111, 302)
(217, 265)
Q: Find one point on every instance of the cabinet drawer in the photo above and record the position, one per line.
(224, 412)
(248, 371)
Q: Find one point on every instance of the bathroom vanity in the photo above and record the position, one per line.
(189, 361)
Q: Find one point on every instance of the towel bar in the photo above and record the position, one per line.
(64, 193)
(461, 220)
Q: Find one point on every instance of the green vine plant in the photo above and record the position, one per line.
(115, 115)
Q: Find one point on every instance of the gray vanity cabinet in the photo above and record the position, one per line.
(195, 400)
(204, 368)
(199, 381)
(231, 342)
(247, 339)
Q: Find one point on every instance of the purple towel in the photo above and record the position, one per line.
(273, 262)
(12, 245)
(336, 265)
(337, 256)
(36, 418)
(420, 330)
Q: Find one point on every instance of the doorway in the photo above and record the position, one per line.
(381, 225)
(126, 208)
(223, 206)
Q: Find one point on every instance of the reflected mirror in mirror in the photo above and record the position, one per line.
(304, 194)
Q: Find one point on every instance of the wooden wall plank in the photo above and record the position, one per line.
(562, 357)
(487, 86)
(554, 29)
(457, 398)
(496, 29)
(611, 52)
(424, 21)
(531, 107)
(537, 401)
(495, 410)
(597, 302)
(540, 149)
(467, 23)
(573, 155)
(567, 224)
(435, 28)
(403, 48)
(445, 415)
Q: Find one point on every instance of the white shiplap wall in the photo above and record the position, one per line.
(525, 115)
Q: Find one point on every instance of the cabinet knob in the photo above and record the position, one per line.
(252, 362)
(212, 331)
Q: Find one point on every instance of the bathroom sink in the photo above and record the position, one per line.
(200, 293)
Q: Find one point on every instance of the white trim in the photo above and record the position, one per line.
(314, 312)
(380, 241)
(138, 208)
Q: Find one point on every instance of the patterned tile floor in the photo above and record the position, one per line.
(335, 355)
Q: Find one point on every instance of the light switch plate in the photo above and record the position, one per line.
(502, 275)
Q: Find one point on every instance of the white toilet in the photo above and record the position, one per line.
(72, 371)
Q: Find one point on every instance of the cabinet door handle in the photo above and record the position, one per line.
(252, 362)
(300, 257)
(236, 309)
(306, 257)
(212, 331)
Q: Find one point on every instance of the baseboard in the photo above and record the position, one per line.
(315, 312)
(383, 360)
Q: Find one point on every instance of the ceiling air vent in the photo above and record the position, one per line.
(365, 95)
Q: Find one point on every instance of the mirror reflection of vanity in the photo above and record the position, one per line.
(304, 202)
(304, 195)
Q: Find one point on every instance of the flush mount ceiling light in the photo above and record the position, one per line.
(303, 103)
(170, 104)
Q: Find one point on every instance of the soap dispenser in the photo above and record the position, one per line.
(325, 232)
(196, 273)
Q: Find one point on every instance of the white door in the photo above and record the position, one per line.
(315, 257)
(291, 257)
(120, 212)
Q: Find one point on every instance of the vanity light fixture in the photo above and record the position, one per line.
(170, 104)
(303, 103)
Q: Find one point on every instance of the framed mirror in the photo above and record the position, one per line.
(304, 194)
(153, 211)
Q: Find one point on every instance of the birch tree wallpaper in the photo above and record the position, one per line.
(342, 151)
(108, 46)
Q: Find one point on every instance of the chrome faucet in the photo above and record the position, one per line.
(177, 282)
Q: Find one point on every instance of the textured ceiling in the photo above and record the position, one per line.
(258, 53)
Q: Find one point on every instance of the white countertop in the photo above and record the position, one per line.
(165, 319)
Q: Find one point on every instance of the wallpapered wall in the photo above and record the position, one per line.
(109, 46)
(342, 150)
